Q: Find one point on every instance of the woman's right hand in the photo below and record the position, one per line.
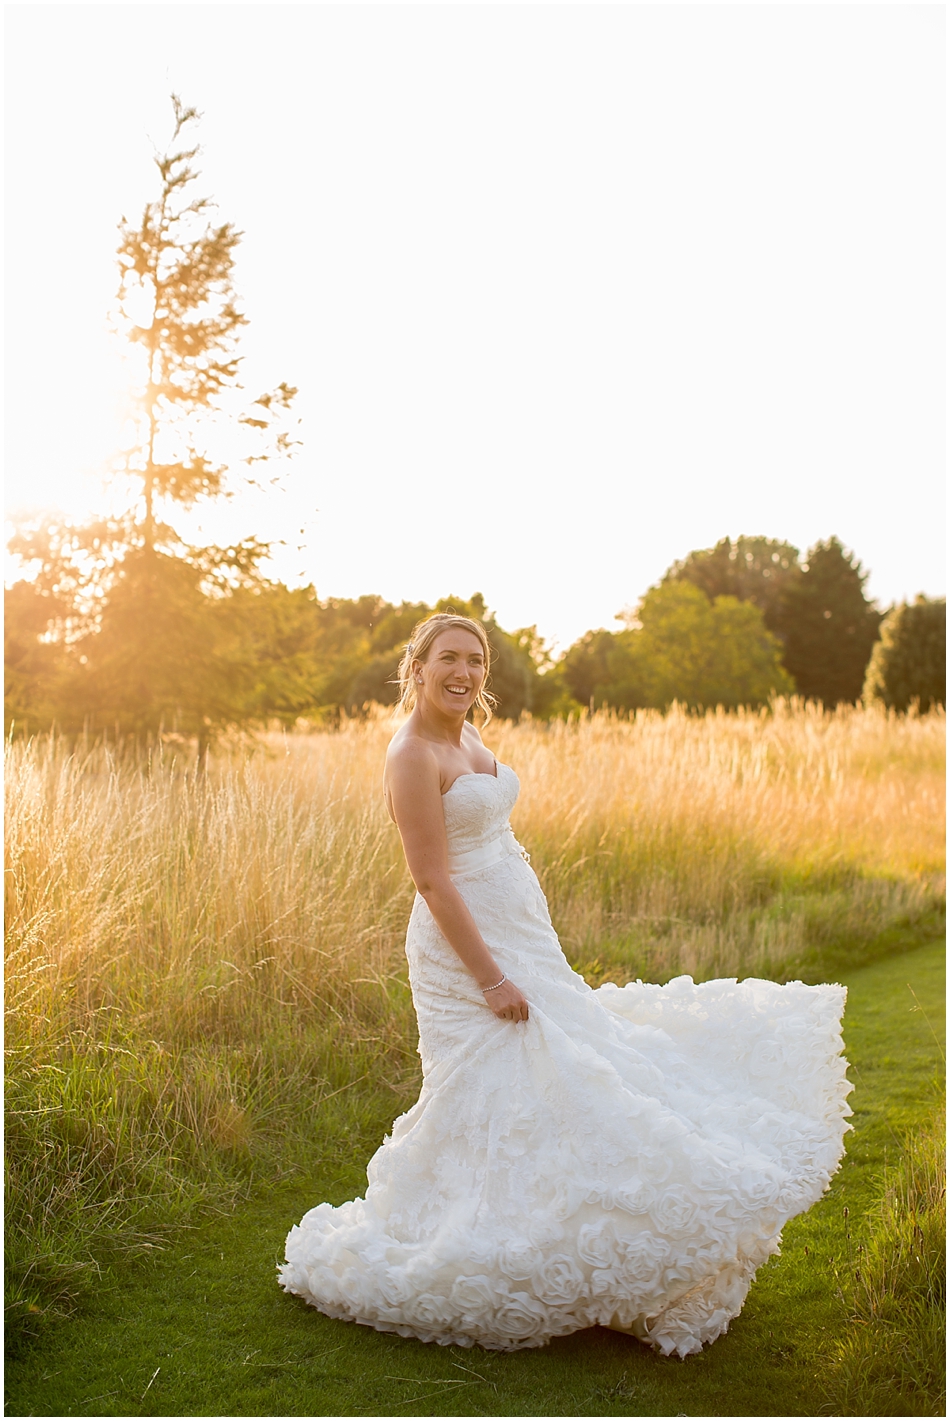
(507, 1003)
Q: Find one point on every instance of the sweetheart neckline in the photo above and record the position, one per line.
(473, 774)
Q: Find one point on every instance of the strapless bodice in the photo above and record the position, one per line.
(476, 809)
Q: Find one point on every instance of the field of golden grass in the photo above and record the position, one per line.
(198, 963)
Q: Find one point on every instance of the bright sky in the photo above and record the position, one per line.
(567, 290)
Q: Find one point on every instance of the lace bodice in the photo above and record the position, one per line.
(476, 809)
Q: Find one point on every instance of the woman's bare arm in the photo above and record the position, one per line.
(415, 794)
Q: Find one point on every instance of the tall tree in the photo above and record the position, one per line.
(134, 606)
(177, 303)
(753, 569)
(594, 669)
(909, 663)
(828, 625)
(683, 647)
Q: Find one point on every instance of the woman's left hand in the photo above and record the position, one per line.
(507, 1002)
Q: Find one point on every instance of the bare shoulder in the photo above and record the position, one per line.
(412, 781)
(472, 734)
(410, 757)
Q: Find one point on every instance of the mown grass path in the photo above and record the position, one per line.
(203, 1330)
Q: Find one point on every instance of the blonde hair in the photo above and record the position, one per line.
(423, 635)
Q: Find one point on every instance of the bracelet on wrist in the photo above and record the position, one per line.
(504, 979)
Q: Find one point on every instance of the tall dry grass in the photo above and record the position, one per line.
(200, 967)
(735, 843)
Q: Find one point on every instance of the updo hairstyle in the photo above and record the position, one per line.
(423, 635)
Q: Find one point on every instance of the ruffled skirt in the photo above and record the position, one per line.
(627, 1157)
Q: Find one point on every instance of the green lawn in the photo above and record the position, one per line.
(202, 1328)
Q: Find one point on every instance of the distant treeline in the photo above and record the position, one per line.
(120, 628)
(171, 649)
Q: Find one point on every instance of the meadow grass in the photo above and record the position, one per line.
(202, 1329)
(892, 1280)
(205, 971)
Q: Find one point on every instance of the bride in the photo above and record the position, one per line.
(625, 1156)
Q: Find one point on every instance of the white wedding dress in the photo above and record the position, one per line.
(626, 1157)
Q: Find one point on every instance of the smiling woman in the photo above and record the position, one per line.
(442, 677)
(576, 1157)
(456, 652)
